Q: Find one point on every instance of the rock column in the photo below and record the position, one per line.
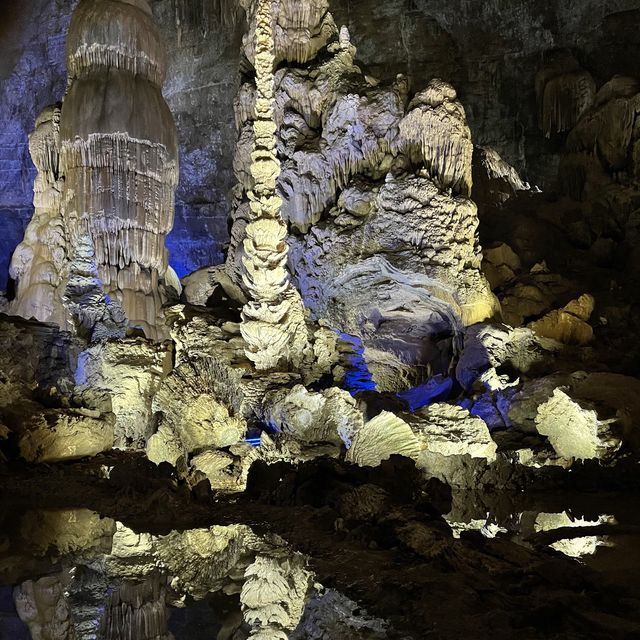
(119, 152)
(273, 320)
(39, 262)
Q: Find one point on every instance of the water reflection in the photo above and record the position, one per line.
(71, 574)
(523, 528)
(77, 575)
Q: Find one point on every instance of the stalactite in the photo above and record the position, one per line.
(435, 132)
(564, 93)
(273, 320)
(205, 15)
(119, 152)
(136, 611)
(300, 29)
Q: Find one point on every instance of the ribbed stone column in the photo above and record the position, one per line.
(273, 320)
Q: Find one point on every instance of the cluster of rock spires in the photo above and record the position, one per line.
(356, 158)
(354, 246)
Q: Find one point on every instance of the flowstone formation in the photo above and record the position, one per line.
(38, 263)
(119, 152)
(376, 187)
(564, 91)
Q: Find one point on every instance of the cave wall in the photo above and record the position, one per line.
(32, 76)
(489, 51)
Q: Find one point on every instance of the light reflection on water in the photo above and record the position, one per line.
(72, 568)
(526, 525)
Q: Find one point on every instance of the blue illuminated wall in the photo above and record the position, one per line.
(358, 377)
(32, 76)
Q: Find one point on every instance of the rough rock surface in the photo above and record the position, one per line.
(122, 377)
(564, 92)
(331, 614)
(605, 407)
(201, 285)
(237, 455)
(273, 595)
(568, 325)
(42, 606)
(491, 56)
(448, 430)
(55, 436)
(273, 320)
(330, 416)
(189, 415)
(575, 429)
(489, 347)
(434, 264)
(38, 263)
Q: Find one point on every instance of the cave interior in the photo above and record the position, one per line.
(318, 319)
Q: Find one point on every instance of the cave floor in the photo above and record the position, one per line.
(402, 565)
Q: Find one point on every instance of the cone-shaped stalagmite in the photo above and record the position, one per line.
(119, 152)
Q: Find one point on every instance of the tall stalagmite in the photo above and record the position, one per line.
(375, 186)
(273, 319)
(39, 262)
(119, 152)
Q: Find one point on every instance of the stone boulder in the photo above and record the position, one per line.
(568, 325)
(605, 408)
(380, 438)
(54, 436)
(330, 416)
(576, 430)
